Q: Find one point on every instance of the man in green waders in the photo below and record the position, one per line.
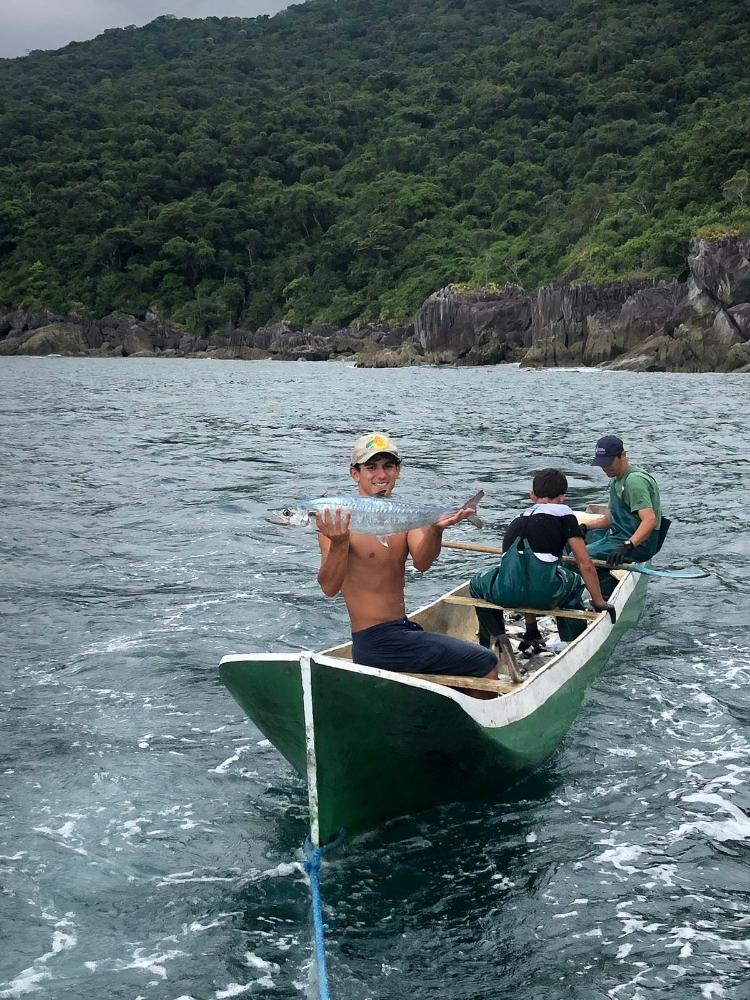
(634, 528)
(530, 574)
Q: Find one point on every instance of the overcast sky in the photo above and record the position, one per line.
(50, 24)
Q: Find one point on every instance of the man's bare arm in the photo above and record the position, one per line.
(646, 527)
(333, 538)
(424, 546)
(587, 568)
(425, 543)
(602, 522)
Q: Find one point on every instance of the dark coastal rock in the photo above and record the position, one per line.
(321, 342)
(721, 269)
(740, 316)
(587, 324)
(709, 327)
(702, 324)
(29, 332)
(54, 338)
(267, 336)
(23, 320)
(485, 326)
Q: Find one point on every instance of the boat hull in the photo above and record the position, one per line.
(374, 745)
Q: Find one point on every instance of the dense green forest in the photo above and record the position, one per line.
(341, 160)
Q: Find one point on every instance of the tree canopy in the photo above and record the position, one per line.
(341, 160)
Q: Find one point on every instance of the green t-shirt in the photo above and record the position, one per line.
(636, 490)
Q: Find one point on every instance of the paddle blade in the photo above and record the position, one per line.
(672, 574)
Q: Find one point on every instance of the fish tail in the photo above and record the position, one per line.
(474, 502)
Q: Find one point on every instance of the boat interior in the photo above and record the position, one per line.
(454, 614)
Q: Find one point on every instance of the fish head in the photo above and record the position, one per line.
(290, 517)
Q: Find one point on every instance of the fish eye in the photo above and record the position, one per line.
(286, 512)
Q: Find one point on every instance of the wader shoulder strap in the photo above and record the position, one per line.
(522, 536)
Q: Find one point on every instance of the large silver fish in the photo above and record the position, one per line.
(379, 516)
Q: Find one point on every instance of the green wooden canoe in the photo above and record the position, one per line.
(373, 744)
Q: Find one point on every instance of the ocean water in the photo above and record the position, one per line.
(150, 838)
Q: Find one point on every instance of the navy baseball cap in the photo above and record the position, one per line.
(608, 448)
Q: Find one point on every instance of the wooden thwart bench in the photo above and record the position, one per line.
(476, 683)
(555, 612)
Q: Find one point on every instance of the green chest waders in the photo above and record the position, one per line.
(523, 581)
(623, 524)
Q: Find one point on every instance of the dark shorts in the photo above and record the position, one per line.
(405, 646)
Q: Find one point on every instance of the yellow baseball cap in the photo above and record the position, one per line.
(369, 445)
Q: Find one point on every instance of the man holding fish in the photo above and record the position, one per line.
(369, 569)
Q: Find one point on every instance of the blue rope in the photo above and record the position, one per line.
(312, 867)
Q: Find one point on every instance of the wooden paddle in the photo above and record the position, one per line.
(673, 574)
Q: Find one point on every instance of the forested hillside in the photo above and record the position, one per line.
(343, 159)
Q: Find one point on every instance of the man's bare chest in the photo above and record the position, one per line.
(366, 550)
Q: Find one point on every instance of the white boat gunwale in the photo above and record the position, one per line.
(510, 706)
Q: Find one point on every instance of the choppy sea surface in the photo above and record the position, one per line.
(150, 838)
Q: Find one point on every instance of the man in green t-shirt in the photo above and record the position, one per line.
(633, 529)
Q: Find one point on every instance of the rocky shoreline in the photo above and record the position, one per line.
(697, 325)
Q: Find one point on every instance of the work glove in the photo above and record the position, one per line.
(619, 556)
(609, 608)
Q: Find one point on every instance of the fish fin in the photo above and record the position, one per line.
(382, 539)
(476, 521)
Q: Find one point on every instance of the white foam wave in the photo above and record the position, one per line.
(65, 832)
(119, 644)
(196, 926)
(233, 990)
(226, 764)
(737, 777)
(27, 981)
(683, 938)
(256, 962)
(154, 963)
(502, 882)
(241, 878)
(735, 828)
(619, 855)
(632, 924)
(665, 874)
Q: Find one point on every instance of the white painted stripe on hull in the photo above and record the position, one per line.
(519, 704)
(310, 752)
(532, 693)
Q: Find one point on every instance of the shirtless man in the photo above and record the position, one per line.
(372, 578)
